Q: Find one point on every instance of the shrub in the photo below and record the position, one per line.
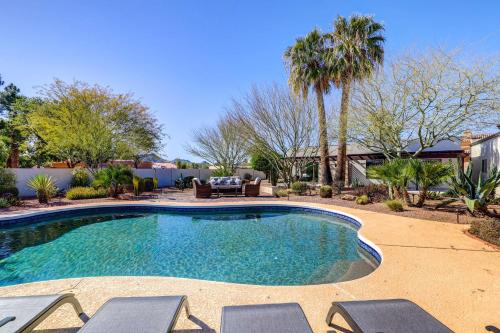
(138, 184)
(148, 184)
(394, 205)
(113, 178)
(4, 203)
(431, 195)
(44, 187)
(80, 178)
(362, 200)
(11, 194)
(488, 229)
(78, 193)
(299, 187)
(247, 176)
(7, 178)
(325, 191)
(281, 193)
(376, 193)
(221, 173)
(155, 183)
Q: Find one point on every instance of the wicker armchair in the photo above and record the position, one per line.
(252, 189)
(201, 191)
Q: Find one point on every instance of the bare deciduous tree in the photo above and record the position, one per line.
(425, 99)
(278, 125)
(220, 145)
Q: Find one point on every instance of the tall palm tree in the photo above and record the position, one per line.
(307, 63)
(357, 50)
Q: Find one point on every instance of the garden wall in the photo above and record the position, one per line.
(166, 177)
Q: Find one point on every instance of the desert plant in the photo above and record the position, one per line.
(281, 193)
(325, 191)
(78, 193)
(433, 195)
(4, 203)
(137, 182)
(7, 178)
(44, 187)
(428, 174)
(113, 178)
(375, 192)
(221, 172)
(155, 183)
(362, 200)
(80, 178)
(488, 229)
(148, 184)
(395, 174)
(299, 187)
(475, 195)
(394, 205)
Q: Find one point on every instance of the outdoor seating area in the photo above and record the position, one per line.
(219, 186)
(158, 314)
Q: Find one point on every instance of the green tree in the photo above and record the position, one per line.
(308, 67)
(91, 124)
(11, 124)
(357, 50)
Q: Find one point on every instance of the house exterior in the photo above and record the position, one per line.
(485, 157)
(359, 159)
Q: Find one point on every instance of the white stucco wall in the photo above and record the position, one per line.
(166, 177)
(488, 150)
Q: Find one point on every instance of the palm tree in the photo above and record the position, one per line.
(428, 174)
(357, 50)
(308, 67)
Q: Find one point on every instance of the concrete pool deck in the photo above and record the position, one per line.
(436, 265)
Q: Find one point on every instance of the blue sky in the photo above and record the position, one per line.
(187, 59)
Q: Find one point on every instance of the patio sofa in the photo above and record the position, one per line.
(226, 185)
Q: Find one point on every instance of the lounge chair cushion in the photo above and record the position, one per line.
(265, 318)
(388, 316)
(135, 314)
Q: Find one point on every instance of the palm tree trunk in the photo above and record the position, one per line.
(406, 196)
(325, 174)
(342, 144)
(422, 195)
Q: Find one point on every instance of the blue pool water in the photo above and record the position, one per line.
(258, 247)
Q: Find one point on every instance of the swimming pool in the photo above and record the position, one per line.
(264, 245)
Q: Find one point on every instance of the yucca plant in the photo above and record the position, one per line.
(426, 175)
(44, 187)
(474, 195)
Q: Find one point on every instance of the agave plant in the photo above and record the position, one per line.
(428, 174)
(113, 178)
(475, 195)
(44, 187)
